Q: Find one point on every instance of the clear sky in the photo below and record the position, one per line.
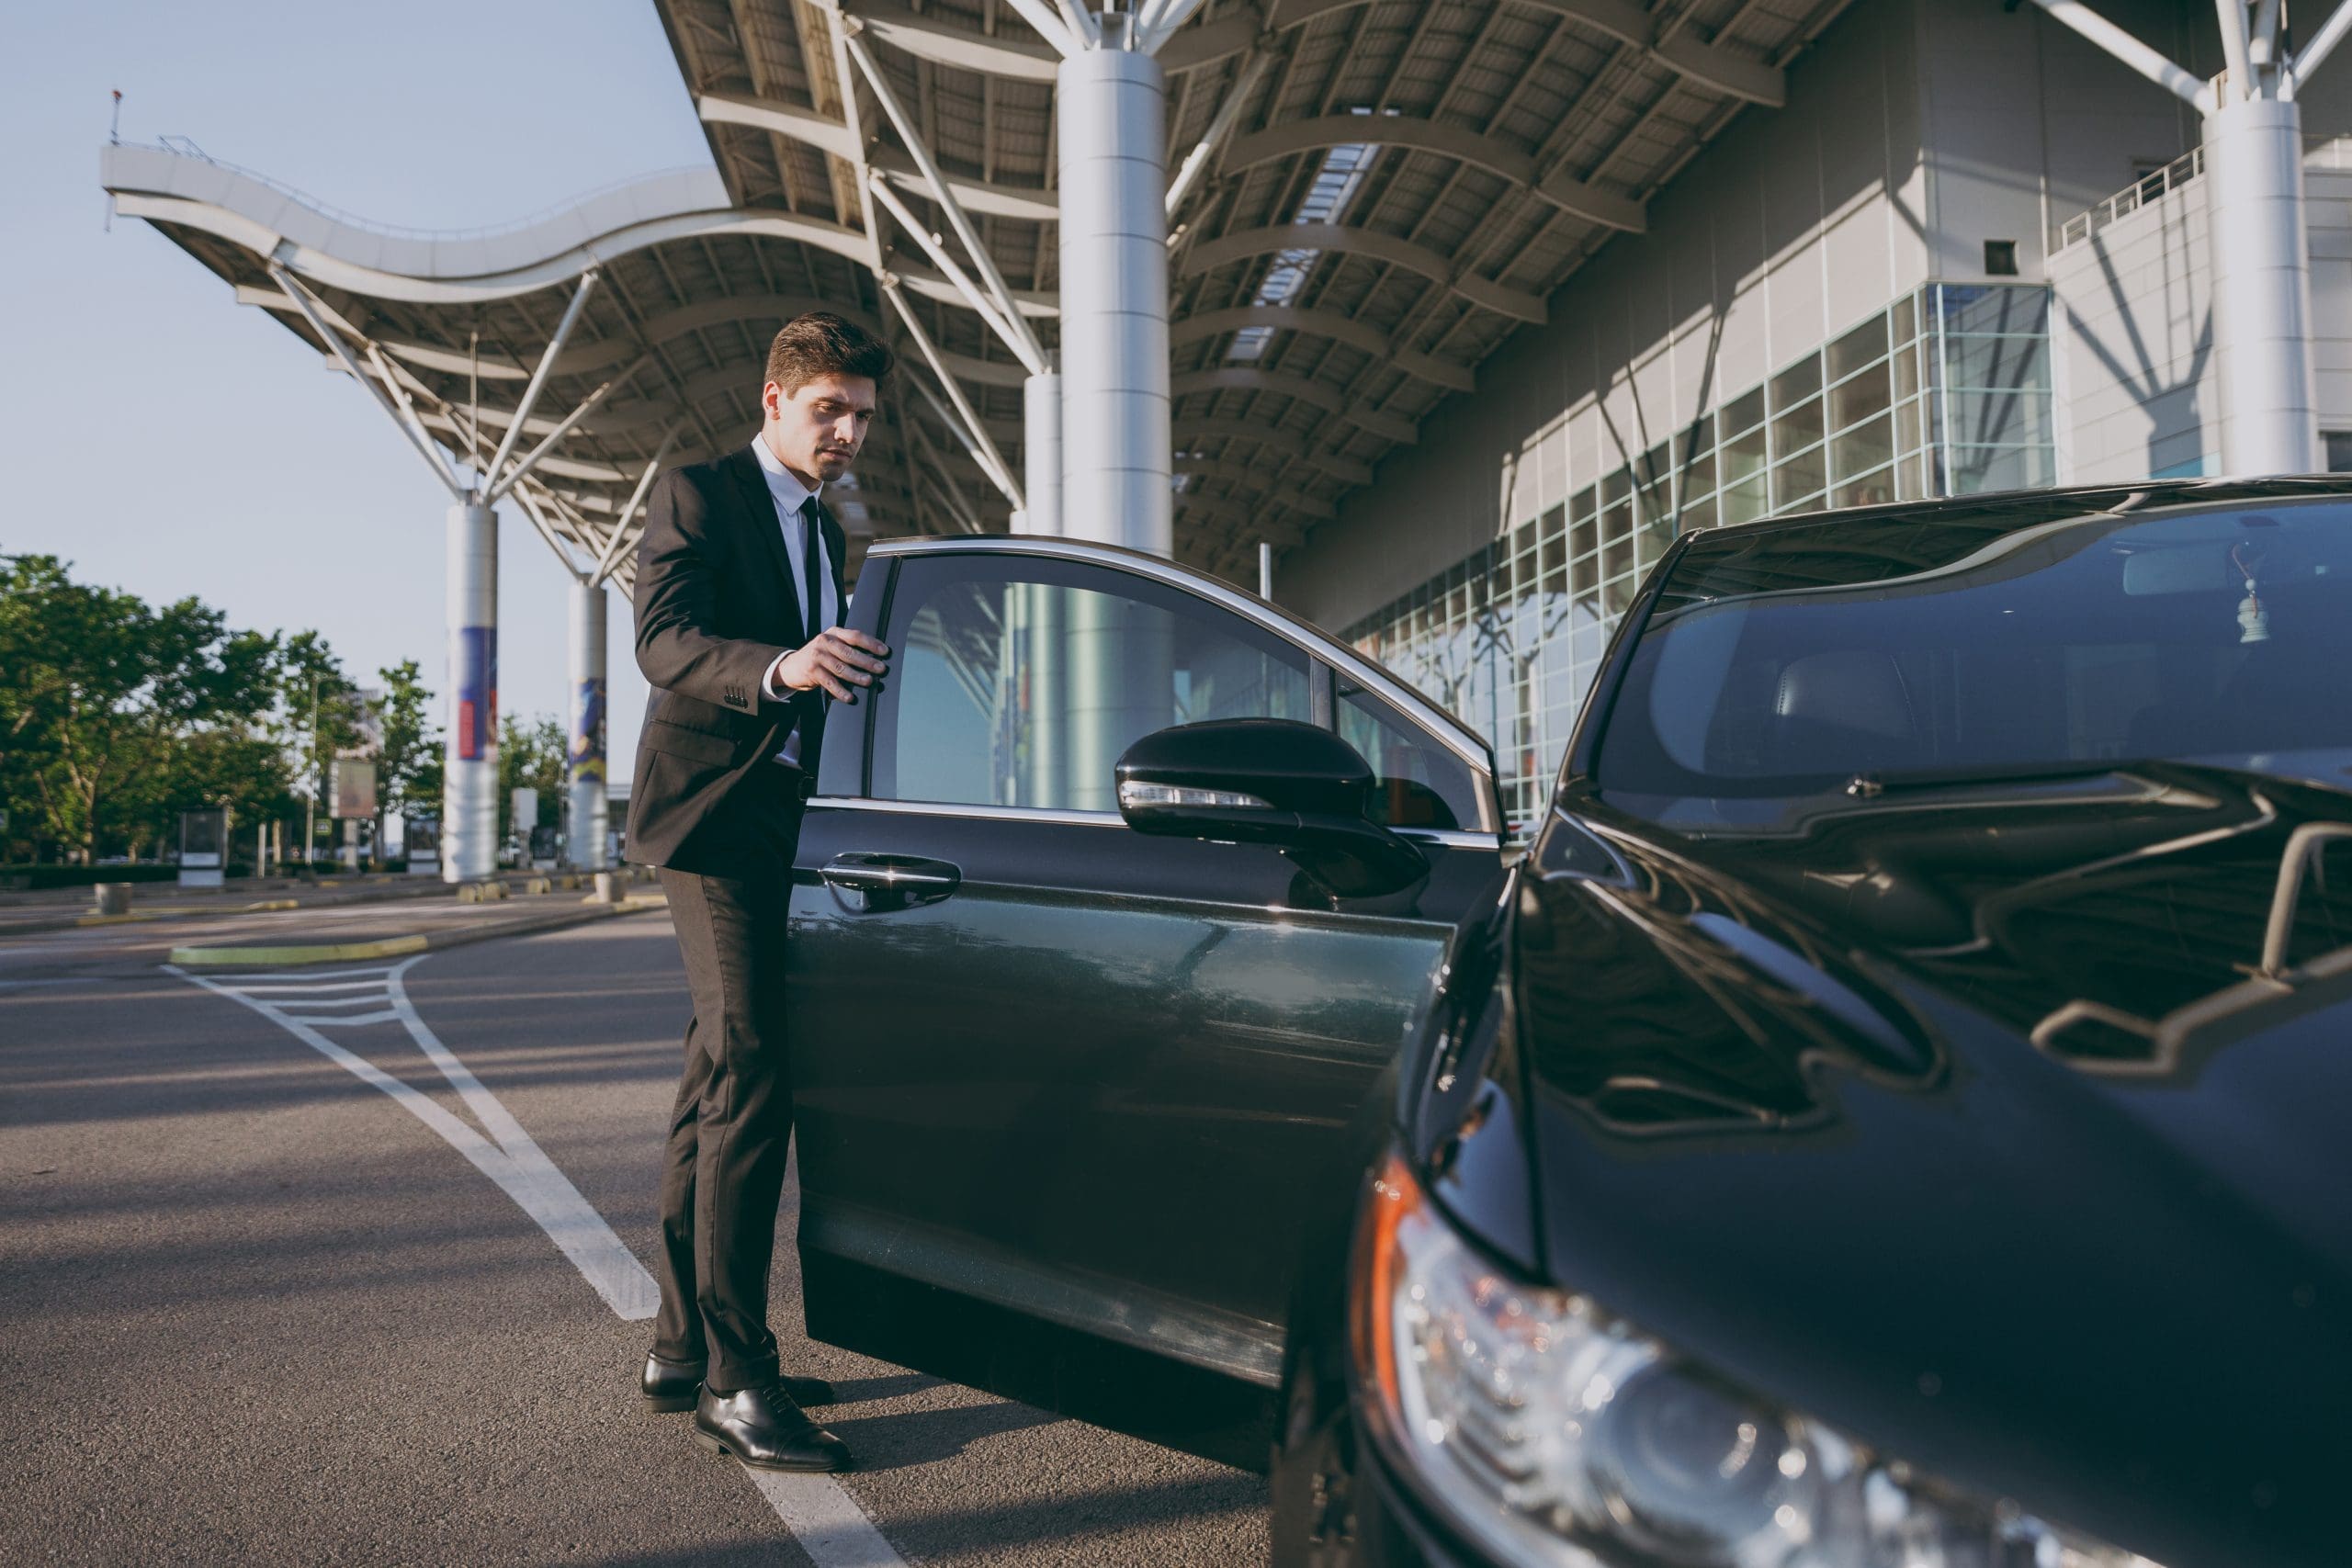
(169, 441)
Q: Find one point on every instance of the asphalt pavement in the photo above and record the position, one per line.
(280, 1280)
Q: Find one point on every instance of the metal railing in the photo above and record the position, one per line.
(180, 146)
(2321, 151)
(2153, 186)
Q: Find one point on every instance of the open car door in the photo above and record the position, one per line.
(1069, 1094)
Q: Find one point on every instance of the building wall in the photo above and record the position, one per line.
(1796, 223)
(2133, 329)
(1916, 131)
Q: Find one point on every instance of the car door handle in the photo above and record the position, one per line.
(909, 879)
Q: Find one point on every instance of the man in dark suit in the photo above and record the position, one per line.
(739, 604)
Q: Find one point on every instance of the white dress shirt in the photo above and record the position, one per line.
(790, 495)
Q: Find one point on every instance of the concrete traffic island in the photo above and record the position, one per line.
(428, 927)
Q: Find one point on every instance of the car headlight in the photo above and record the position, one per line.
(1559, 1435)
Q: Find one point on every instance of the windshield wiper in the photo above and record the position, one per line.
(1868, 787)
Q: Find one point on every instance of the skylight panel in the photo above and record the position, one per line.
(1335, 184)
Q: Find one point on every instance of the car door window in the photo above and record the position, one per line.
(1020, 681)
(1417, 781)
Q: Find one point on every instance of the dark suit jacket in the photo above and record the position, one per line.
(716, 602)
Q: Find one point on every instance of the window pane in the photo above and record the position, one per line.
(1798, 477)
(1995, 419)
(1867, 490)
(1022, 692)
(1862, 449)
(1744, 411)
(1975, 308)
(1796, 428)
(1997, 363)
(1699, 476)
(1858, 348)
(1418, 783)
(1798, 382)
(1978, 470)
(1852, 401)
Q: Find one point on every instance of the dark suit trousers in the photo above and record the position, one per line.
(730, 1128)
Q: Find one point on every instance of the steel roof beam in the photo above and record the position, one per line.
(1018, 59)
(983, 449)
(1330, 324)
(1346, 239)
(425, 448)
(564, 427)
(1322, 394)
(611, 556)
(1708, 66)
(1008, 319)
(1347, 470)
(1447, 140)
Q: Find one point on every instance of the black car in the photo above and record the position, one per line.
(1894, 1114)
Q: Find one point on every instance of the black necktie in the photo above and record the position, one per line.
(812, 599)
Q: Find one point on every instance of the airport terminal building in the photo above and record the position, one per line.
(1457, 313)
(1969, 254)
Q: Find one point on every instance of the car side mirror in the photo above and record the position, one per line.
(1267, 781)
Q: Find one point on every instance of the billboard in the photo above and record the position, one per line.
(477, 693)
(355, 788)
(587, 746)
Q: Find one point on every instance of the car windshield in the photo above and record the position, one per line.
(1788, 662)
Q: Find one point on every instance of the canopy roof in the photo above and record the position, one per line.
(1406, 187)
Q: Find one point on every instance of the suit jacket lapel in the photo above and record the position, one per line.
(763, 521)
(836, 553)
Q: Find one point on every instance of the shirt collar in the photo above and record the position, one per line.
(790, 493)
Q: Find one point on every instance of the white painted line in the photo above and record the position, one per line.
(827, 1522)
(825, 1519)
(513, 1161)
(377, 971)
(376, 984)
(345, 1020)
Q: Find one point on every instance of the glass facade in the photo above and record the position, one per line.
(1945, 392)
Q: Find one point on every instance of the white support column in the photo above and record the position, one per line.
(1041, 452)
(1111, 107)
(2253, 206)
(585, 802)
(469, 753)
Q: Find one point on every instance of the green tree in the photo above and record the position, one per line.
(318, 714)
(100, 694)
(530, 756)
(410, 767)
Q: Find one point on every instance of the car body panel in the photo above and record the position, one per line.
(2088, 1257)
(1062, 1128)
(1999, 1125)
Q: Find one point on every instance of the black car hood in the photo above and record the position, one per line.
(1971, 1124)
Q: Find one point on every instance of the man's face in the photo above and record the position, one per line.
(816, 428)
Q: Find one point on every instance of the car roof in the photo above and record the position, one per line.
(2034, 506)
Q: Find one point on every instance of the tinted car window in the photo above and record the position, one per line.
(1416, 783)
(1018, 682)
(1791, 660)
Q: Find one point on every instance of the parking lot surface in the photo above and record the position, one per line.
(347, 1264)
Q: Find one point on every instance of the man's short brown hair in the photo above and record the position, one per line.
(821, 344)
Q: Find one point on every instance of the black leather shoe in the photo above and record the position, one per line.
(763, 1428)
(673, 1386)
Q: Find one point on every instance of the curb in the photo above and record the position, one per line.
(402, 946)
(338, 899)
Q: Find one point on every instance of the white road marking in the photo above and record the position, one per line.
(508, 1156)
(822, 1516)
(827, 1522)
